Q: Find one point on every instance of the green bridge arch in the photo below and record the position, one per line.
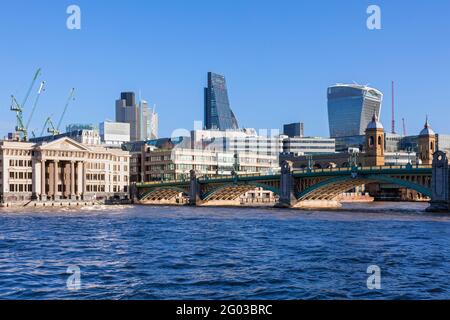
(147, 194)
(371, 178)
(254, 185)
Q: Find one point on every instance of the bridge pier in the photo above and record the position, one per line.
(194, 189)
(287, 188)
(440, 199)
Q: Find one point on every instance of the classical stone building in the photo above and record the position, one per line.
(61, 170)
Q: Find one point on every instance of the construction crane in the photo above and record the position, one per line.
(49, 122)
(51, 128)
(18, 108)
(41, 89)
(70, 98)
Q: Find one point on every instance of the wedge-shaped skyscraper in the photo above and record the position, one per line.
(218, 114)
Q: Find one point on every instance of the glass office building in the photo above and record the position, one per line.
(218, 114)
(351, 108)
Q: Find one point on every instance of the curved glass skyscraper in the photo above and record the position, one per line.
(218, 114)
(351, 108)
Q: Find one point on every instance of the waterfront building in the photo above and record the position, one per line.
(292, 130)
(114, 134)
(218, 114)
(61, 170)
(350, 109)
(308, 145)
(127, 111)
(176, 163)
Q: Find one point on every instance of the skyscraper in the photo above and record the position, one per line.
(218, 114)
(149, 121)
(128, 112)
(351, 108)
(294, 129)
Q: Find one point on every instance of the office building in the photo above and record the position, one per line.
(176, 163)
(128, 112)
(350, 109)
(238, 141)
(294, 130)
(149, 121)
(218, 113)
(308, 145)
(114, 134)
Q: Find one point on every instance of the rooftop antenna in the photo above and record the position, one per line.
(393, 107)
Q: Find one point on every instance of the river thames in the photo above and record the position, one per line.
(145, 252)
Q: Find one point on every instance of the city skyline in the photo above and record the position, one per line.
(263, 92)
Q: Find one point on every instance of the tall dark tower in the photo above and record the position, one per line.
(218, 114)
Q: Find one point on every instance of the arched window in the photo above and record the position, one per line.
(379, 140)
(371, 141)
(432, 146)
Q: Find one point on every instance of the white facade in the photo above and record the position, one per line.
(309, 145)
(149, 121)
(238, 141)
(114, 134)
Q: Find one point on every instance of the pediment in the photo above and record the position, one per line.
(64, 144)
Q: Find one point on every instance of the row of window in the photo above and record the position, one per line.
(20, 187)
(20, 163)
(102, 188)
(20, 175)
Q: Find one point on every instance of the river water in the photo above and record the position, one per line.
(145, 252)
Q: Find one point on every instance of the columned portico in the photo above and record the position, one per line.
(62, 171)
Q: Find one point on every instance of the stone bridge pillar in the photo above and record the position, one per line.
(134, 196)
(440, 200)
(287, 188)
(194, 189)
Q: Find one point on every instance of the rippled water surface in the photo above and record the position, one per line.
(225, 253)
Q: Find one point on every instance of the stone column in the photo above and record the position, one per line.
(43, 181)
(72, 180)
(194, 190)
(36, 180)
(287, 195)
(79, 179)
(440, 193)
(56, 179)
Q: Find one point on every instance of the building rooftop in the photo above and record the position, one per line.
(427, 131)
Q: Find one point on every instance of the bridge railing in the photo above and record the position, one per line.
(369, 168)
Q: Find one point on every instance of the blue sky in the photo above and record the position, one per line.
(278, 57)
